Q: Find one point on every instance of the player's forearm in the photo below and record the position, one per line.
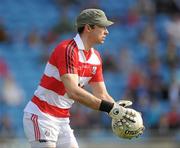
(78, 94)
(99, 90)
(106, 97)
(82, 96)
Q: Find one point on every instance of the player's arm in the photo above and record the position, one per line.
(78, 94)
(100, 91)
(82, 96)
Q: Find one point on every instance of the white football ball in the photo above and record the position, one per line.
(123, 131)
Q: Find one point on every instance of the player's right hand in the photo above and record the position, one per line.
(120, 112)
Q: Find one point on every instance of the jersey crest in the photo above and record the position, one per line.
(94, 68)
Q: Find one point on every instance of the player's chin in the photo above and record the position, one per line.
(102, 41)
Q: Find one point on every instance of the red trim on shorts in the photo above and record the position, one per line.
(50, 109)
(34, 119)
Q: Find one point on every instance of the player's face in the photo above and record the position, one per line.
(99, 34)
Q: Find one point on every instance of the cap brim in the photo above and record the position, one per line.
(106, 23)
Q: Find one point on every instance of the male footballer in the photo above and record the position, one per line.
(73, 64)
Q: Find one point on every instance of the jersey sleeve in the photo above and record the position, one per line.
(66, 58)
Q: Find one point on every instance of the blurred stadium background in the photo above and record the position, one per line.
(141, 61)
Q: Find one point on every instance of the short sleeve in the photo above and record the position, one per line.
(66, 58)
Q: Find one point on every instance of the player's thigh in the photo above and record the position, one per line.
(40, 132)
(66, 138)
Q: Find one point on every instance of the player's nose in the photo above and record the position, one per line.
(106, 31)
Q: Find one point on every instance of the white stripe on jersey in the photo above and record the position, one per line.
(53, 98)
(52, 71)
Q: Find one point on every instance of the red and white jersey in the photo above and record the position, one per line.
(70, 56)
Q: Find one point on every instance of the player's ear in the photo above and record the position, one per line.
(88, 28)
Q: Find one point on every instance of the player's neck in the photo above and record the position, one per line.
(88, 44)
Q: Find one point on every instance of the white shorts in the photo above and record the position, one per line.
(43, 132)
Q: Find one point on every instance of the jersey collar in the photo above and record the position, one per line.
(79, 42)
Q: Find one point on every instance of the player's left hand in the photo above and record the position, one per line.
(120, 112)
(124, 103)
